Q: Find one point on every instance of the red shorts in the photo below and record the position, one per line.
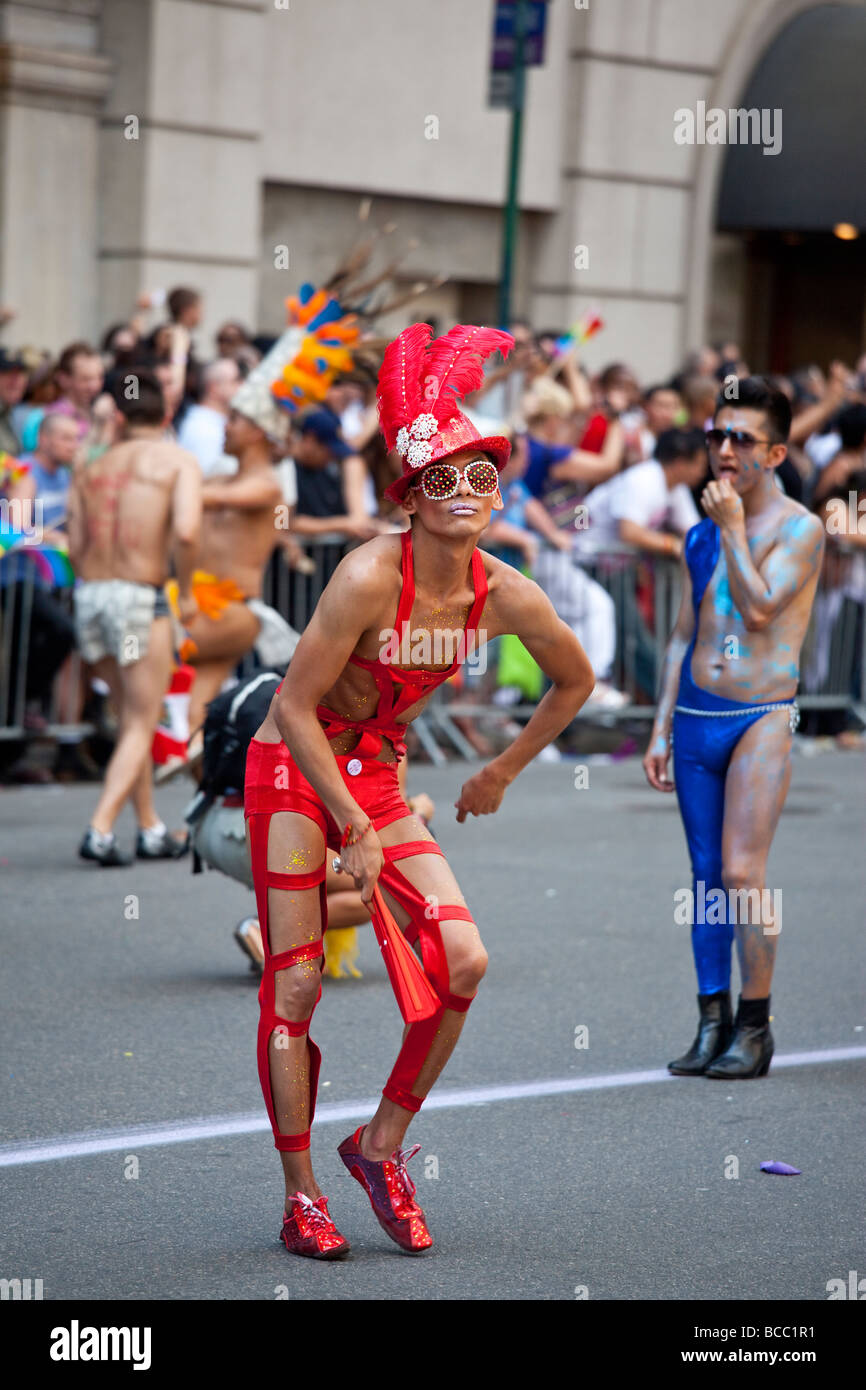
(274, 782)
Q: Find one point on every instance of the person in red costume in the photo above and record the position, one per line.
(398, 617)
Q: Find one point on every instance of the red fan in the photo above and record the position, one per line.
(415, 995)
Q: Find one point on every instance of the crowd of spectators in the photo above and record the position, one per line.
(605, 476)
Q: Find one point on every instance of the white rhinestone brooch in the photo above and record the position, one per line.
(412, 441)
(419, 451)
(424, 427)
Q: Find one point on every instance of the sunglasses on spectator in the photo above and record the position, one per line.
(741, 441)
(441, 480)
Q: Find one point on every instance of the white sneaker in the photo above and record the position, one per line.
(605, 696)
(507, 695)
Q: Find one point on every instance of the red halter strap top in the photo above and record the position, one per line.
(399, 690)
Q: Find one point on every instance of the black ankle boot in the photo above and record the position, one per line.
(748, 1056)
(751, 1047)
(713, 1036)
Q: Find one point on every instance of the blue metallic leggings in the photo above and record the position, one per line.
(703, 743)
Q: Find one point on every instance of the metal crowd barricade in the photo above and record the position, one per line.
(833, 659)
(18, 580)
(295, 594)
(16, 602)
(833, 662)
(646, 594)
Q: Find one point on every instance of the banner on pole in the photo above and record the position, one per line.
(504, 47)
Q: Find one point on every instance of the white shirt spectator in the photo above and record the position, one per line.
(821, 448)
(640, 494)
(352, 420)
(288, 475)
(202, 431)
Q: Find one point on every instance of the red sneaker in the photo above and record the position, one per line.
(391, 1192)
(309, 1230)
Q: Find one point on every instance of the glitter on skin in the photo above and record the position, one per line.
(298, 859)
(423, 624)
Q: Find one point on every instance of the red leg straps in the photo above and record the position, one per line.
(292, 1143)
(410, 847)
(285, 959)
(292, 882)
(270, 1022)
(425, 915)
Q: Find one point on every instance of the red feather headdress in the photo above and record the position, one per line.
(420, 387)
(455, 366)
(399, 394)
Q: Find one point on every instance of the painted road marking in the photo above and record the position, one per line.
(100, 1141)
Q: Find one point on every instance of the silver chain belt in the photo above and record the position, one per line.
(790, 705)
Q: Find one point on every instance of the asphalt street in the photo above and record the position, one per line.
(557, 1162)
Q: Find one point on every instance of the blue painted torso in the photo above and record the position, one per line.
(701, 549)
(702, 546)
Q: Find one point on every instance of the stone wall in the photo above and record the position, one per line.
(53, 82)
(259, 122)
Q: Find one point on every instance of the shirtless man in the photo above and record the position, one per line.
(241, 526)
(727, 707)
(237, 537)
(322, 772)
(128, 511)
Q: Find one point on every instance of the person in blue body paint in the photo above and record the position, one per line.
(726, 710)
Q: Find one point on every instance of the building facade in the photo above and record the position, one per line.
(228, 144)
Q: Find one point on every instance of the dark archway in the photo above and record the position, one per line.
(804, 288)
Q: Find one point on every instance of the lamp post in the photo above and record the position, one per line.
(509, 223)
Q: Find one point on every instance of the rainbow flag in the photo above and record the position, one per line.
(12, 470)
(52, 565)
(584, 328)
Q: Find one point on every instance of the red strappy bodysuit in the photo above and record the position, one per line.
(275, 783)
(400, 690)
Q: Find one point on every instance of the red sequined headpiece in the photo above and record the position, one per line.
(421, 384)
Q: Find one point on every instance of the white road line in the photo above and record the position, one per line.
(101, 1141)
